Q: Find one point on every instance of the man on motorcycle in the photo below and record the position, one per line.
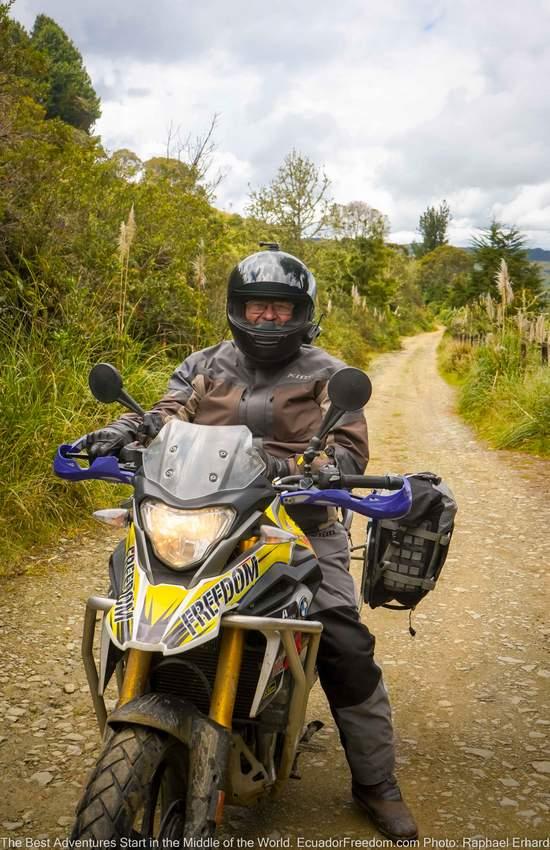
(271, 379)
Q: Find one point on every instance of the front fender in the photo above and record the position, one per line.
(165, 712)
(209, 747)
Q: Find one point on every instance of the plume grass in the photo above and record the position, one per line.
(46, 401)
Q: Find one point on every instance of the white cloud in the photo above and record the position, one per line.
(184, 96)
(529, 210)
(403, 104)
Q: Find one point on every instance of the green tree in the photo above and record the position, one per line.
(444, 276)
(22, 68)
(127, 164)
(178, 175)
(357, 219)
(357, 262)
(295, 202)
(501, 242)
(71, 95)
(368, 269)
(432, 226)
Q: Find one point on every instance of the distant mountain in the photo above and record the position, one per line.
(539, 255)
(535, 255)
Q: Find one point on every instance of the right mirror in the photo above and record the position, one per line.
(105, 382)
(349, 388)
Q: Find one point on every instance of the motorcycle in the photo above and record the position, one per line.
(205, 628)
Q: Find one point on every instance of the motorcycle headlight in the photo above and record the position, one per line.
(183, 537)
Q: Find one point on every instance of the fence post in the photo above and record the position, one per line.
(523, 350)
(544, 359)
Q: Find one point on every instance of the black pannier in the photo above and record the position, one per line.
(403, 557)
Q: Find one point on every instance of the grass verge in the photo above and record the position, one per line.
(504, 396)
(46, 401)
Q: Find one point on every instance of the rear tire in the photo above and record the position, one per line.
(138, 789)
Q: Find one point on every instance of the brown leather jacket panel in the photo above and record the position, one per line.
(283, 407)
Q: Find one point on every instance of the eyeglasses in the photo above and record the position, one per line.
(284, 309)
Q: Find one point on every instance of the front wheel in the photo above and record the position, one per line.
(138, 789)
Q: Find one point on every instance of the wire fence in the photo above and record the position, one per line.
(526, 345)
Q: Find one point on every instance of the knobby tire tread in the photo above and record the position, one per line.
(118, 784)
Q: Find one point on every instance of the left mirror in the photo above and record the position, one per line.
(105, 382)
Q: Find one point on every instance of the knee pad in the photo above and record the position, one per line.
(347, 670)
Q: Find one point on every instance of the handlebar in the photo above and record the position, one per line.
(105, 468)
(328, 487)
(375, 482)
(346, 482)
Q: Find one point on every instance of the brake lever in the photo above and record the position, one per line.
(293, 482)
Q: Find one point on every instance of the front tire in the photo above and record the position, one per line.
(138, 789)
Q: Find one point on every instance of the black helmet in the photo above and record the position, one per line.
(273, 275)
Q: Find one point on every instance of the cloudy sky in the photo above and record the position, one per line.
(402, 102)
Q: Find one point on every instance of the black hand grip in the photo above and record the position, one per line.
(131, 453)
(377, 482)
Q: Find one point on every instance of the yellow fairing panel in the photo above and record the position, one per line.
(276, 512)
(169, 618)
(121, 617)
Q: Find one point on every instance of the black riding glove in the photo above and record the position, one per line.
(149, 427)
(106, 441)
(276, 467)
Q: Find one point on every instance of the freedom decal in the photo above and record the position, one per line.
(154, 617)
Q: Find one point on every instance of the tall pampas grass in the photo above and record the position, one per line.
(489, 305)
(504, 286)
(125, 238)
(199, 267)
(540, 328)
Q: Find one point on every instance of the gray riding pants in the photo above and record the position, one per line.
(350, 678)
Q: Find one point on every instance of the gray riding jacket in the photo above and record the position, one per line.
(282, 406)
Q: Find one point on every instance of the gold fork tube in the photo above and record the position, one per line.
(136, 674)
(227, 677)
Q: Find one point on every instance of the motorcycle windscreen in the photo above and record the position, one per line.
(191, 461)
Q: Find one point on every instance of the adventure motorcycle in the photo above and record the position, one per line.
(205, 626)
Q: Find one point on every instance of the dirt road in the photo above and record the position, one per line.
(470, 692)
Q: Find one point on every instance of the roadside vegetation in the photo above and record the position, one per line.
(494, 304)
(503, 379)
(105, 257)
